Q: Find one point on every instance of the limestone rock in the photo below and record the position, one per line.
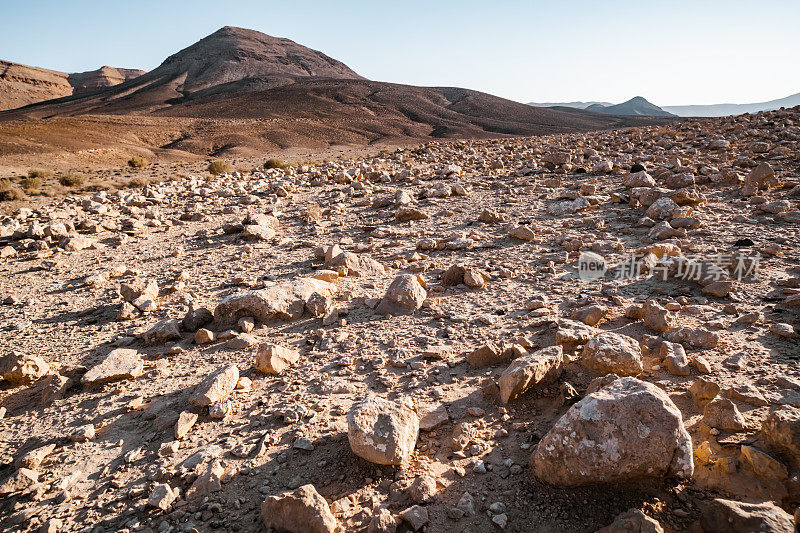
(119, 364)
(675, 358)
(23, 369)
(738, 517)
(274, 359)
(356, 265)
(164, 331)
(572, 333)
(404, 295)
(286, 301)
(216, 387)
(657, 317)
(613, 353)
(302, 510)
(721, 413)
(382, 431)
(162, 497)
(627, 430)
(489, 354)
(538, 369)
(632, 521)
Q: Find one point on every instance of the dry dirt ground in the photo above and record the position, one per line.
(64, 264)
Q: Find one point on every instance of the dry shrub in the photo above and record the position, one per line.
(275, 163)
(31, 183)
(40, 173)
(219, 167)
(137, 162)
(72, 179)
(9, 192)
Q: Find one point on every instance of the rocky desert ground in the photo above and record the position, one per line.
(578, 332)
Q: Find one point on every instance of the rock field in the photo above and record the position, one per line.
(575, 332)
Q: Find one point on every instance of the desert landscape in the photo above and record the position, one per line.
(253, 290)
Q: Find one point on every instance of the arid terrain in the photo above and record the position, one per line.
(552, 333)
(239, 93)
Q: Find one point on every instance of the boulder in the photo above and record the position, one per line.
(119, 364)
(535, 370)
(626, 431)
(23, 369)
(215, 387)
(721, 413)
(164, 331)
(274, 359)
(404, 295)
(656, 317)
(285, 301)
(613, 353)
(302, 510)
(728, 516)
(356, 265)
(382, 431)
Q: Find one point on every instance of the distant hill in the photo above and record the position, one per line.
(636, 106)
(21, 85)
(574, 105)
(721, 110)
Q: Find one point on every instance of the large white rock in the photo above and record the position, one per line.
(626, 431)
(285, 301)
(613, 353)
(122, 363)
(382, 431)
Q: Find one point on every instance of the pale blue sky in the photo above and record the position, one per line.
(671, 52)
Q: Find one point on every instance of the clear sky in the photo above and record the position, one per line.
(671, 52)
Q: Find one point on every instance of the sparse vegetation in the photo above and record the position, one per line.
(137, 162)
(139, 182)
(31, 183)
(9, 192)
(275, 163)
(219, 166)
(40, 173)
(72, 179)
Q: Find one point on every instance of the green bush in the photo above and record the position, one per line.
(72, 179)
(9, 192)
(137, 162)
(219, 167)
(275, 163)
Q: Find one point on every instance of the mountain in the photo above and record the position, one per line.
(21, 85)
(721, 110)
(574, 105)
(637, 106)
(240, 92)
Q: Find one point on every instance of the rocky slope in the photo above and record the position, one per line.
(550, 333)
(21, 85)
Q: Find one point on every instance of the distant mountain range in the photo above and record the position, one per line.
(711, 110)
(721, 110)
(21, 85)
